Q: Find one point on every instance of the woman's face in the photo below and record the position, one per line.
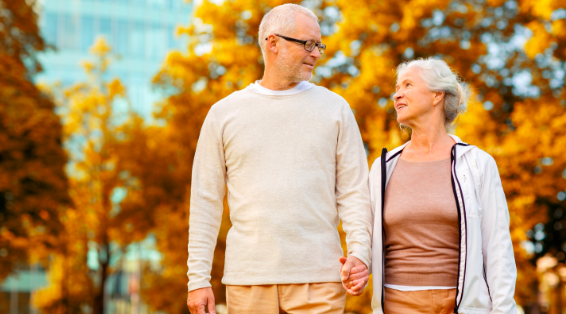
(413, 100)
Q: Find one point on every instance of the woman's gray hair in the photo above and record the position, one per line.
(440, 78)
(281, 20)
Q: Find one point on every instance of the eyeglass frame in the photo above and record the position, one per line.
(304, 42)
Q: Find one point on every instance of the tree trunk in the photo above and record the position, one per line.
(98, 307)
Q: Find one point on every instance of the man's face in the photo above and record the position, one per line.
(293, 61)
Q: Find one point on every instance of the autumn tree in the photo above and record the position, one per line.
(510, 52)
(99, 127)
(33, 185)
(482, 41)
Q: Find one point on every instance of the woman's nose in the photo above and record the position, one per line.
(398, 95)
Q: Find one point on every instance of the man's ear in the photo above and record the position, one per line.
(272, 43)
(438, 97)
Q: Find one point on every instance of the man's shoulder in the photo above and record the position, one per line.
(233, 100)
(325, 92)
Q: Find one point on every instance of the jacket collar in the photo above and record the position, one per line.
(461, 150)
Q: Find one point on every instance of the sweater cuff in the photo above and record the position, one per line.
(362, 257)
(198, 284)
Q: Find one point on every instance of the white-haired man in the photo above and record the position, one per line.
(293, 160)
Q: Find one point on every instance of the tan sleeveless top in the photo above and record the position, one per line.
(421, 225)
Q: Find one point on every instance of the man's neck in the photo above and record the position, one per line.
(275, 83)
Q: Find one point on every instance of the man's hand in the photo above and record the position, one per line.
(198, 300)
(355, 275)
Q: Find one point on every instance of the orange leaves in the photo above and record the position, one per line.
(547, 31)
(32, 179)
(371, 39)
(541, 9)
(539, 41)
(116, 89)
(102, 135)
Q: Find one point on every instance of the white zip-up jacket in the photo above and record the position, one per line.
(486, 270)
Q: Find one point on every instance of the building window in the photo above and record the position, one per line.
(122, 30)
(68, 39)
(87, 32)
(158, 4)
(172, 37)
(50, 29)
(139, 2)
(157, 43)
(105, 29)
(137, 40)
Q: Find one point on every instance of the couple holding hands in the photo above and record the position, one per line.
(429, 221)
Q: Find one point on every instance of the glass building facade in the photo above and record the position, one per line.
(141, 32)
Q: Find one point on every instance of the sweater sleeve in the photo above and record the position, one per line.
(206, 205)
(499, 261)
(352, 192)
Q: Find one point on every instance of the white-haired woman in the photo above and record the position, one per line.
(441, 241)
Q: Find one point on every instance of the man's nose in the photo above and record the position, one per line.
(315, 53)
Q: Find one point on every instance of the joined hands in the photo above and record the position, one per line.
(354, 274)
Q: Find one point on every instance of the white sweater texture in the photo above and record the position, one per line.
(294, 166)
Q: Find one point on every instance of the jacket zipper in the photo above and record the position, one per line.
(487, 285)
(383, 184)
(461, 215)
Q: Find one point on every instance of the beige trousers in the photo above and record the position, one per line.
(419, 302)
(310, 298)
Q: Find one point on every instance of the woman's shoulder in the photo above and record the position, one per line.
(481, 163)
(480, 155)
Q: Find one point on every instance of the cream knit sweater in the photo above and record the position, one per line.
(294, 166)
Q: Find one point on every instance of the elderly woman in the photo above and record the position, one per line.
(441, 241)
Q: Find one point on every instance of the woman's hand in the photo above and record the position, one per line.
(355, 275)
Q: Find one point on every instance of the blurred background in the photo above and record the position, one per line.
(101, 104)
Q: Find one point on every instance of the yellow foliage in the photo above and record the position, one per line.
(374, 36)
(33, 186)
(539, 41)
(100, 142)
(371, 38)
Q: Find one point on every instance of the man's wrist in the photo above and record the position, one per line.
(357, 256)
(198, 285)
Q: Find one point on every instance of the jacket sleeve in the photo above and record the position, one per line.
(352, 195)
(499, 261)
(374, 184)
(206, 206)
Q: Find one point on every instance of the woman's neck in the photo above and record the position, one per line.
(428, 144)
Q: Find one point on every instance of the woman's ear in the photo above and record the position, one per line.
(437, 98)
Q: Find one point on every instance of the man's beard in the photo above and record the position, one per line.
(291, 70)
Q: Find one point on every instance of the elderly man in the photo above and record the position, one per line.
(291, 156)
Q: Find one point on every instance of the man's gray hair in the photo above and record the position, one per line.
(440, 78)
(281, 20)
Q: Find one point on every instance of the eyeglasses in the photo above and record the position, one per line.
(309, 44)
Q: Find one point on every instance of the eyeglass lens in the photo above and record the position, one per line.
(310, 45)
